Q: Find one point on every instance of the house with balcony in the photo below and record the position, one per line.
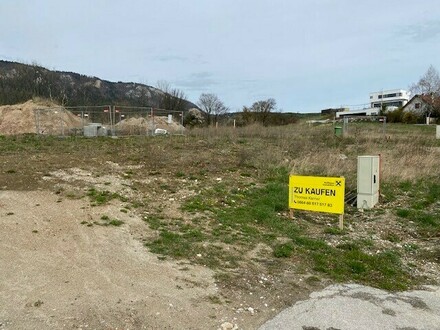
(388, 99)
(394, 98)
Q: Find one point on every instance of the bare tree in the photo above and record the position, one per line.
(172, 98)
(264, 106)
(212, 106)
(262, 109)
(428, 84)
(428, 87)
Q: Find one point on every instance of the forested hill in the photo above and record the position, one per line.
(21, 82)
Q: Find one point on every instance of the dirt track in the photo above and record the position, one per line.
(58, 273)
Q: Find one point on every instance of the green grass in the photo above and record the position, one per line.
(102, 197)
(115, 222)
(349, 262)
(423, 207)
(283, 250)
(334, 231)
(174, 244)
(107, 221)
(259, 215)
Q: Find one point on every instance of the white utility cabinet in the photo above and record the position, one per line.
(368, 181)
(437, 131)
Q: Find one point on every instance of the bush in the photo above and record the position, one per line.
(395, 116)
(410, 118)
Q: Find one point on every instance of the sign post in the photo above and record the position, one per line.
(318, 194)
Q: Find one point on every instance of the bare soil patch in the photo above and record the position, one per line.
(59, 273)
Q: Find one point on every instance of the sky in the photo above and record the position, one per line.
(308, 55)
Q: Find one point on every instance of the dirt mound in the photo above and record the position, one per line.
(36, 116)
(141, 125)
(45, 117)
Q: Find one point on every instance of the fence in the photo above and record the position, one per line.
(353, 125)
(108, 121)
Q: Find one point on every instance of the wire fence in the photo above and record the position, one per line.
(108, 120)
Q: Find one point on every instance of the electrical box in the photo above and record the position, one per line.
(95, 129)
(368, 181)
(91, 130)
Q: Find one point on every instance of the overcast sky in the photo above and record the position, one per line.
(308, 55)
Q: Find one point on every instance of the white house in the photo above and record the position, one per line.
(424, 106)
(389, 98)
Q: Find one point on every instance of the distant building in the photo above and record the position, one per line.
(359, 112)
(333, 111)
(389, 98)
(423, 105)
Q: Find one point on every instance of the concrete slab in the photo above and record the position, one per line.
(352, 306)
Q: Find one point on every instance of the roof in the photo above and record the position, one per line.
(429, 99)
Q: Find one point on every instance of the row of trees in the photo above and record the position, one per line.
(264, 112)
(214, 110)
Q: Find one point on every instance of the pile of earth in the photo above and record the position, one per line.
(142, 125)
(46, 117)
(37, 116)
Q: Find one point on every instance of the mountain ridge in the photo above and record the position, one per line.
(20, 82)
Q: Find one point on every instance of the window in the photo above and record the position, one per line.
(417, 106)
(380, 96)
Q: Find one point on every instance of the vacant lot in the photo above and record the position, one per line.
(193, 231)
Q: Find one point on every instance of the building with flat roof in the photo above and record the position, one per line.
(358, 112)
(389, 98)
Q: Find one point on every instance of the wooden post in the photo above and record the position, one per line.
(341, 221)
(291, 213)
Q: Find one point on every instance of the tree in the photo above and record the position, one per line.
(211, 106)
(194, 117)
(429, 87)
(259, 111)
(172, 98)
(428, 84)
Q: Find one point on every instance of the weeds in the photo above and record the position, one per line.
(283, 250)
(259, 216)
(222, 222)
(102, 197)
(423, 211)
(115, 222)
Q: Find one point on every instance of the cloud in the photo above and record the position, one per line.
(170, 58)
(198, 81)
(422, 32)
(193, 59)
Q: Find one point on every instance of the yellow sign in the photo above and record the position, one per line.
(313, 193)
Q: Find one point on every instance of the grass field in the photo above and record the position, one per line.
(218, 197)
